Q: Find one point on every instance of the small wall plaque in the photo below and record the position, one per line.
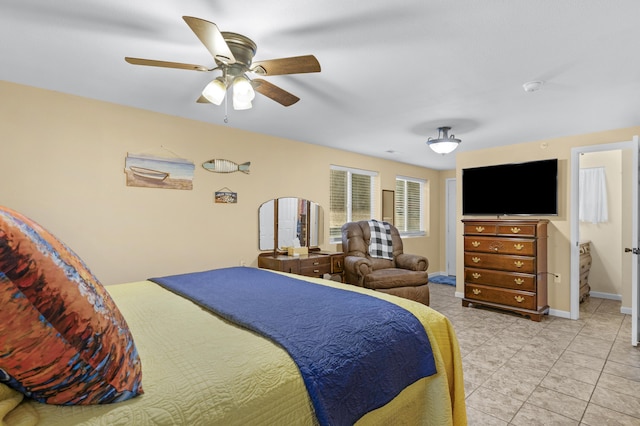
(226, 196)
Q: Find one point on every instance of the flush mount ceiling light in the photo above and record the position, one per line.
(445, 143)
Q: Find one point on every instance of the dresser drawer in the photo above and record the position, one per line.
(512, 280)
(337, 264)
(280, 263)
(479, 228)
(515, 298)
(522, 264)
(518, 246)
(315, 266)
(515, 229)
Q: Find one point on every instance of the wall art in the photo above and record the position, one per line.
(226, 196)
(225, 166)
(159, 172)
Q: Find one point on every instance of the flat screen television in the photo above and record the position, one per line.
(525, 189)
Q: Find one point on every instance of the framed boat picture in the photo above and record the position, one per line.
(159, 172)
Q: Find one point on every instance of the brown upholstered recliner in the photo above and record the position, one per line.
(405, 276)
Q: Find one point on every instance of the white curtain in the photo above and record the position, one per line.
(593, 195)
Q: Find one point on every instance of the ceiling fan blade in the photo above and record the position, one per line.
(210, 36)
(293, 65)
(274, 92)
(165, 64)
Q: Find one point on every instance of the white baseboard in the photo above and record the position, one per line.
(623, 309)
(609, 296)
(559, 313)
(459, 295)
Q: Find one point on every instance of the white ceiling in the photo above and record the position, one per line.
(392, 72)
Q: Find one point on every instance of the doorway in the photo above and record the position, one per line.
(630, 222)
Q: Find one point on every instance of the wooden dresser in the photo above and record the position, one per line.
(314, 264)
(585, 267)
(505, 265)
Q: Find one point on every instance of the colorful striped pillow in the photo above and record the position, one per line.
(62, 338)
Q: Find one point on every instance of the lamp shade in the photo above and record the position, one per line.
(443, 147)
(214, 92)
(239, 105)
(242, 91)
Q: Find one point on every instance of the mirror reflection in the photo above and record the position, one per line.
(289, 222)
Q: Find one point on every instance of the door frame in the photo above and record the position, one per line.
(575, 224)
(450, 226)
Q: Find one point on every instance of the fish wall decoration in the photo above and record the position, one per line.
(225, 166)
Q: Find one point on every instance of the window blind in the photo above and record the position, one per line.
(351, 198)
(409, 201)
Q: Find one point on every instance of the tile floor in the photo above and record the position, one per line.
(553, 372)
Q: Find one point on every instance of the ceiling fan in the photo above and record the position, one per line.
(233, 54)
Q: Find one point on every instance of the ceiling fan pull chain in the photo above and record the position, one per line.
(226, 117)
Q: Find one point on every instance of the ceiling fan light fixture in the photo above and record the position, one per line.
(444, 143)
(214, 91)
(243, 92)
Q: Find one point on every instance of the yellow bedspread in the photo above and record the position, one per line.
(199, 369)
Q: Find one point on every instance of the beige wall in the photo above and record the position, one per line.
(605, 275)
(62, 162)
(559, 250)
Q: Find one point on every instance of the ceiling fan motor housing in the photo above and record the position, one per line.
(243, 49)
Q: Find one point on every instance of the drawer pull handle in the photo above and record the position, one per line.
(519, 299)
(475, 243)
(476, 291)
(315, 271)
(518, 264)
(476, 275)
(518, 246)
(519, 281)
(475, 259)
(479, 228)
(316, 263)
(515, 230)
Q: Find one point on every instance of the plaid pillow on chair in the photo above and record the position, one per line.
(380, 244)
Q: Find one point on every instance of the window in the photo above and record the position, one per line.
(351, 198)
(409, 200)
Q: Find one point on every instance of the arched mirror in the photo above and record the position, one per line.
(289, 222)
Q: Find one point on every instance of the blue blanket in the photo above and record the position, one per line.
(355, 352)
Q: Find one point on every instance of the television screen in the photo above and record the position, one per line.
(529, 188)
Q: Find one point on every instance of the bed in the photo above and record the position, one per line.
(190, 366)
(233, 376)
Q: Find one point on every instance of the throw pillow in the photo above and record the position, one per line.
(62, 338)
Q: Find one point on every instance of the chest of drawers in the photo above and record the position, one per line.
(315, 264)
(505, 265)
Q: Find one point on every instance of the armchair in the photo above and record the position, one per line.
(404, 276)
